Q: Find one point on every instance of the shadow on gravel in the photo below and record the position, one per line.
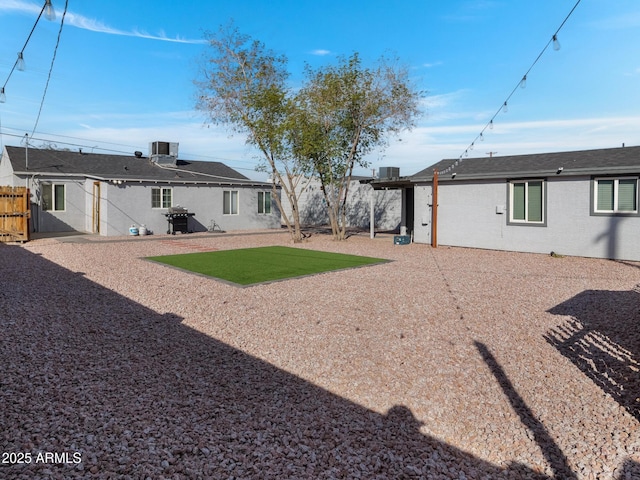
(550, 449)
(90, 376)
(602, 339)
(630, 470)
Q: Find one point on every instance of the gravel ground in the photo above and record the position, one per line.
(444, 363)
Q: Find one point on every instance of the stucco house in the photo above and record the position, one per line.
(107, 194)
(580, 203)
(313, 209)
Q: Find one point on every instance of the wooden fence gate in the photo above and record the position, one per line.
(14, 214)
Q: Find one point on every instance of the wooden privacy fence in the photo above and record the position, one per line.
(14, 214)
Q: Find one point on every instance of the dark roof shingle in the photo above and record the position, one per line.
(603, 161)
(124, 167)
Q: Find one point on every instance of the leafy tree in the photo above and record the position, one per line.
(244, 85)
(341, 114)
(345, 112)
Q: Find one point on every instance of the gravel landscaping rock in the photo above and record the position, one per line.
(443, 363)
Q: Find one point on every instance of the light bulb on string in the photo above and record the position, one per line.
(481, 137)
(505, 107)
(3, 97)
(20, 62)
(556, 43)
(523, 82)
(472, 145)
(491, 125)
(49, 12)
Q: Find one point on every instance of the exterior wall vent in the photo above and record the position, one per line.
(164, 153)
(389, 172)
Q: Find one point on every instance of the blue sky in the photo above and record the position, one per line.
(123, 74)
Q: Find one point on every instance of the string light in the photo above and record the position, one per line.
(3, 97)
(49, 12)
(522, 84)
(19, 64)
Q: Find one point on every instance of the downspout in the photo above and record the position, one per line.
(37, 224)
(372, 215)
(26, 158)
(26, 171)
(434, 211)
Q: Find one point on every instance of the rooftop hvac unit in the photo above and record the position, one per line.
(164, 153)
(164, 160)
(389, 172)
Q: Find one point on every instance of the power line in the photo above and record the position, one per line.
(90, 143)
(121, 152)
(53, 59)
(19, 63)
(521, 83)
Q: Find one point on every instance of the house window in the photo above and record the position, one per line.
(264, 202)
(230, 202)
(527, 202)
(53, 197)
(615, 195)
(161, 197)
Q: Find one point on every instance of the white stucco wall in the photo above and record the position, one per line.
(72, 218)
(422, 214)
(467, 217)
(130, 204)
(313, 210)
(6, 172)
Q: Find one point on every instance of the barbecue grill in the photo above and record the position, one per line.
(178, 218)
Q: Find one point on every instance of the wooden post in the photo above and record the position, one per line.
(434, 211)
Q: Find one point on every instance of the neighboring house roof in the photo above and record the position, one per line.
(619, 161)
(120, 167)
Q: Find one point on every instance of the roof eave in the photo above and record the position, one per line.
(142, 179)
(622, 170)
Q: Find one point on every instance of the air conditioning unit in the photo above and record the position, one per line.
(389, 172)
(164, 153)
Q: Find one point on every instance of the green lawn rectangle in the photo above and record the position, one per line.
(248, 266)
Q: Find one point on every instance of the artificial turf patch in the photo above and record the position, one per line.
(247, 266)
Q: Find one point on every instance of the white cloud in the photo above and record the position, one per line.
(19, 6)
(82, 22)
(85, 23)
(320, 52)
(427, 145)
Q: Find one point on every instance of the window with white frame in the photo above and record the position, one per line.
(161, 197)
(53, 197)
(230, 202)
(264, 202)
(615, 195)
(527, 202)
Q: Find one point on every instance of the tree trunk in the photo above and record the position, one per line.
(294, 228)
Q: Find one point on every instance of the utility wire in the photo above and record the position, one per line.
(3, 131)
(53, 59)
(21, 53)
(489, 125)
(114, 151)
